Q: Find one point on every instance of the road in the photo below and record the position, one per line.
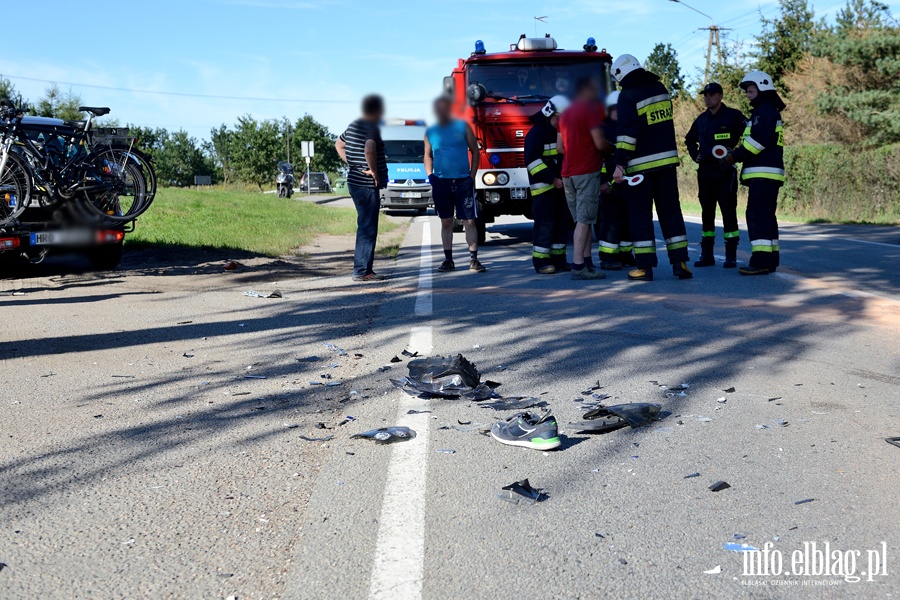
(183, 488)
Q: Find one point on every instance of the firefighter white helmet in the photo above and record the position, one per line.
(762, 81)
(612, 100)
(556, 105)
(623, 65)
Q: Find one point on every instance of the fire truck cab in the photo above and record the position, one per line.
(497, 93)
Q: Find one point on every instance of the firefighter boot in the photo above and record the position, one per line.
(645, 274)
(681, 271)
(731, 245)
(706, 253)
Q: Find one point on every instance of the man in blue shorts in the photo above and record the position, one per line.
(448, 144)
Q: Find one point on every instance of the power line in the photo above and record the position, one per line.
(205, 96)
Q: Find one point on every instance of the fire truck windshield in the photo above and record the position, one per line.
(404, 151)
(534, 82)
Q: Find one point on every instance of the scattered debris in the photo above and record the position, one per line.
(317, 439)
(184, 322)
(384, 368)
(714, 571)
(417, 412)
(719, 486)
(291, 425)
(333, 348)
(461, 422)
(730, 390)
(692, 475)
(357, 356)
(623, 561)
(723, 400)
(396, 359)
(739, 536)
(444, 377)
(98, 416)
(514, 403)
(186, 355)
(894, 441)
(807, 500)
(774, 399)
(446, 451)
(704, 419)
(410, 354)
(255, 294)
(781, 422)
(609, 418)
(735, 547)
(387, 435)
(254, 376)
(232, 265)
(521, 492)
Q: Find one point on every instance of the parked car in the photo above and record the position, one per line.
(318, 183)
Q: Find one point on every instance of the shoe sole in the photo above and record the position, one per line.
(550, 445)
(644, 278)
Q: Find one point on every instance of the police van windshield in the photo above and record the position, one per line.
(535, 82)
(404, 151)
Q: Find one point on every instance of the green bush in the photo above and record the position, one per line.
(840, 183)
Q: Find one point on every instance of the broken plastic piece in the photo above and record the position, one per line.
(735, 547)
(704, 419)
(636, 414)
(804, 501)
(445, 366)
(315, 439)
(448, 451)
(410, 354)
(231, 265)
(692, 475)
(894, 441)
(722, 400)
(254, 376)
(312, 358)
(739, 536)
(417, 412)
(522, 492)
(396, 359)
(714, 571)
(719, 486)
(255, 294)
(386, 435)
(730, 390)
(514, 403)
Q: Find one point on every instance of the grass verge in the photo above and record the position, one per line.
(237, 220)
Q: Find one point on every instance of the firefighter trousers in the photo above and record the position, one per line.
(551, 229)
(612, 228)
(762, 225)
(660, 187)
(718, 187)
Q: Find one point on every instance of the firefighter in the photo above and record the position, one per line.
(549, 208)
(719, 125)
(762, 152)
(612, 229)
(645, 145)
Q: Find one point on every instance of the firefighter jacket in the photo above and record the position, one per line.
(646, 133)
(762, 149)
(721, 129)
(542, 159)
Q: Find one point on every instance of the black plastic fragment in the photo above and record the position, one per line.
(410, 354)
(719, 486)
(317, 439)
(730, 390)
(417, 412)
(692, 475)
(387, 435)
(807, 500)
(514, 403)
(636, 414)
(445, 366)
(396, 359)
(522, 492)
(894, 441)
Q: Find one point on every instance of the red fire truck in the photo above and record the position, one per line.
(497, 93)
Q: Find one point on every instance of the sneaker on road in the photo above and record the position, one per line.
(369, 277)
(447, 265)
(476, 266)
(528, 430)
(586, 273)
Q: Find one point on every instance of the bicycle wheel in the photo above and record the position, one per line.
(15, 189)
(118, 191)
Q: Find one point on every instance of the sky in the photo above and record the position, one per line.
(153, 62)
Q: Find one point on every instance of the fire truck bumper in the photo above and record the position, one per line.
(510, 198)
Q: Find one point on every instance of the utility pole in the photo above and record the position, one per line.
(714, 40)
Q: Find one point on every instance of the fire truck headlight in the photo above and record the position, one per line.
(493, 198)
(502, 178)
(495, 159)
(489, 179)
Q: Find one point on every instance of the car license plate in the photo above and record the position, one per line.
(518, 193)
(46, 238)
(410, 194)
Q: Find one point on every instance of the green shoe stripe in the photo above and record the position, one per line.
(544, 442)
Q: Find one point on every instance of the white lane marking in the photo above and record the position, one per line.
(399, 563)
(424, 304)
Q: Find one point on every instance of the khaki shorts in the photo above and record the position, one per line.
(583, 197)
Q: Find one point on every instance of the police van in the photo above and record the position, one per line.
(404, 150)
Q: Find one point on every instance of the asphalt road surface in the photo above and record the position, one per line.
(139, 460)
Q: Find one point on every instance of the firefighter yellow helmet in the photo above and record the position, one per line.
(762, 81)
(623, 65)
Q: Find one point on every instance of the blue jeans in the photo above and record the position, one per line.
(368, 203)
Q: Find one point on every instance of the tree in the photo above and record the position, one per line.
(255, 147)
(326, 158)
(219, 149)
(180, 158)
(785, 39)
(59, 105)
(663, 61)
(866, 89)
(8, 91)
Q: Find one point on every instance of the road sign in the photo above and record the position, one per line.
(307, 149)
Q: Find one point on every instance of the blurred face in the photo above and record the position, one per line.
(752, 92)
(712, 100)
(442, 110)
(554, 120)
(614, 114)
(588, 92)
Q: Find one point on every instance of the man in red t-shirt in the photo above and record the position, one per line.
(582, 144)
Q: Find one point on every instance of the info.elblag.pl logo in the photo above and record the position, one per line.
(825, 565)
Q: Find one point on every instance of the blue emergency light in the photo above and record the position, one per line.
(479, 47)
(591, 45)
(495, 159)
